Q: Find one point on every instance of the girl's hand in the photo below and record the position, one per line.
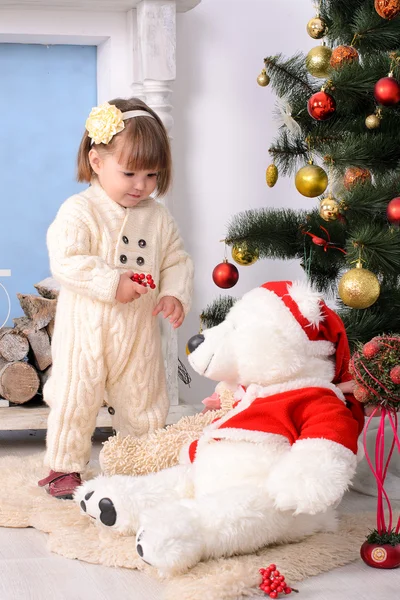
(128, 290)
(172, 308)
(347, 387)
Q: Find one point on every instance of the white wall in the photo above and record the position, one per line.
(224, 125)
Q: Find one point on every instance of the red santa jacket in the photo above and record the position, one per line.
(311, 412)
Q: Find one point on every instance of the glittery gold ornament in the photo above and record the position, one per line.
(329, 208)
(356, 176)
(317, 61)
(271, 175)
(263, 78)
(359, 288)
(317, 28)
(243, 256)
(343, 55)
(373, 121)
(311, 181)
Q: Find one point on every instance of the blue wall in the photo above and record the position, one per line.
(46, 93)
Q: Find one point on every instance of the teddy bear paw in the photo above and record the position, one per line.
(100, 500)
(170, 545)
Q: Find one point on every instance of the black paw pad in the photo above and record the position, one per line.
(108, 514)
(139, 550)
(89, 495)
(83, 506)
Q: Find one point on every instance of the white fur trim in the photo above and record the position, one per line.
(308, 301)
(243, 435)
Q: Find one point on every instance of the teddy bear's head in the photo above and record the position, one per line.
(278, 332)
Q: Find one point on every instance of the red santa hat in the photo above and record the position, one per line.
(317, 320)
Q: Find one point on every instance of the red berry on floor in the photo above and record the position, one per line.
(281, 578)
(288, 590)
(273, 594)
(272, 567)
(149, 276)
(275, 573)
(274, 585)
(152, 285)
(142, 276)
(279, 589)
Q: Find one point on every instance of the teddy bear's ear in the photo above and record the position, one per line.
(308, 300)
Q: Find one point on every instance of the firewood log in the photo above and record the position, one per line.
(40, 310)
(19, 381)
(13, 346)
(48, 288)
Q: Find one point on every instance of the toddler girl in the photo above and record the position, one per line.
(106, 338)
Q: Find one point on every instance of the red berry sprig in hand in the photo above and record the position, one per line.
(273, 583)
(144, 280)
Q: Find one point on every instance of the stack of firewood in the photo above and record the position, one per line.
(25, 349)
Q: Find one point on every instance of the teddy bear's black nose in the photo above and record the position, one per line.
(194, 343)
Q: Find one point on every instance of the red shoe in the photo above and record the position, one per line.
(61, 485)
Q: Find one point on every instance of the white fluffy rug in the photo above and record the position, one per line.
(23, 504)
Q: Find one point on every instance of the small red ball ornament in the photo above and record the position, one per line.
(395, 374)
(371, 349)
(393, 211)
(321, 106)
(343, 55)
(387, 91)
(387, 9)
(225, 275)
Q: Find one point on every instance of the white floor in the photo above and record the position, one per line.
(28, 571)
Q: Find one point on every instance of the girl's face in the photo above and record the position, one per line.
(126, 188)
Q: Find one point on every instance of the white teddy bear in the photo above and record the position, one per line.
(271, 469)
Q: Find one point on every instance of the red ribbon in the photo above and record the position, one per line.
(326, 244)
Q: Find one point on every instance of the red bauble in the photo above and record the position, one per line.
(393, 211)
(387, 9)
(371, 349)
(321, 106)
(387, 91)
(381, 556)
(361, 394)
(225, 275)
(395, 374)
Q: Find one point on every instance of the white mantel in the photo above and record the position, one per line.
(92, 5)
(136, 41)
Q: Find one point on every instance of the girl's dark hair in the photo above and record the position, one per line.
(145, 146)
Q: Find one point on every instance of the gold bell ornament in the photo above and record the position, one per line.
(359, 288)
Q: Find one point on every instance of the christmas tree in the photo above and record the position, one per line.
(340, 142)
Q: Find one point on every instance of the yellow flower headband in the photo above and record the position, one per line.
(107, 120)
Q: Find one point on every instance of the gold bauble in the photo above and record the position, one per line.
(271, 175)
(359, 288)
(242, 255)
(329, 208)
(263, 78)
(311, 181)
(372, 121)
(318, 61)
(317, 28)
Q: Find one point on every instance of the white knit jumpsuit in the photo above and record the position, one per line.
(100, 345)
